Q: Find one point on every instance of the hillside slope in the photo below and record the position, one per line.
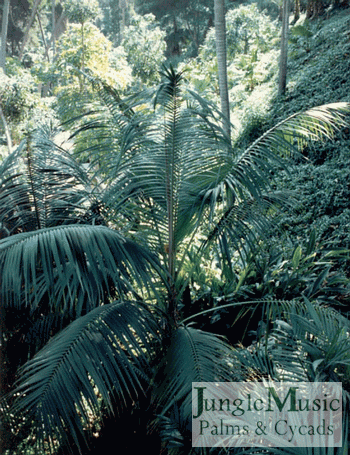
(319, 73)
(319, 65)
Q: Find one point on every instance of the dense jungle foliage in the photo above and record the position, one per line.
(141, 248)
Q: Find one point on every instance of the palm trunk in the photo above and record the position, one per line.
(220, 41)
(4, 27)
(82, 77)
(59, 28)
(53, 27)
(284, 48)
(122, 7)
(170, 191)
(82, 46)
(171, 149)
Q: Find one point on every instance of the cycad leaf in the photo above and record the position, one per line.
(98, 356)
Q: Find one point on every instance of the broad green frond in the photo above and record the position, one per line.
(252, 167)
(100, 357)
(71, 267)
(306, 342)
(242, 223)
(324, 336)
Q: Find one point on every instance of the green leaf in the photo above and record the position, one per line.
(296, 257)
(72, 267)
(102, 354)
(310, 247)
(192, 356)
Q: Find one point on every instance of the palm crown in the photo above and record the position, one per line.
(92, 255)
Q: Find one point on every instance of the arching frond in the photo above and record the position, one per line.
(243, 222)
(100, 357)
(324, 336)
(306, 342)
(73, 267)
(42, 185)
(192, 356)
(297, 130)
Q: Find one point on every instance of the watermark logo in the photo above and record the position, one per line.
(266, 414)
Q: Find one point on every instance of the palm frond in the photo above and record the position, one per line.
(144, 148)
(324, 336)
(251, 168)
(343, 450)
(308, 342)
(97, 357)
(42, 185)
(244, 222)
(192, 356)
(253, 364)
(298, 129)
(71, 267)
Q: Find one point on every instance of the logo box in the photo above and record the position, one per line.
(266, 414)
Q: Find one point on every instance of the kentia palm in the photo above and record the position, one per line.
(171, 175)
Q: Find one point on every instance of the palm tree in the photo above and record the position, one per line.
(284, 48)
(106, 280)
(220, 42)
(4, 27)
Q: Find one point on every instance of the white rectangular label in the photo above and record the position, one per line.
(266, 414)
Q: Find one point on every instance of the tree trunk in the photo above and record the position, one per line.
(30, 22)
(82, 77)
(296, 12)
(53, 5)
(4, 26)
(60, 28)
(284, 49)
(43, 38)
(220, 41)
(309, 8)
